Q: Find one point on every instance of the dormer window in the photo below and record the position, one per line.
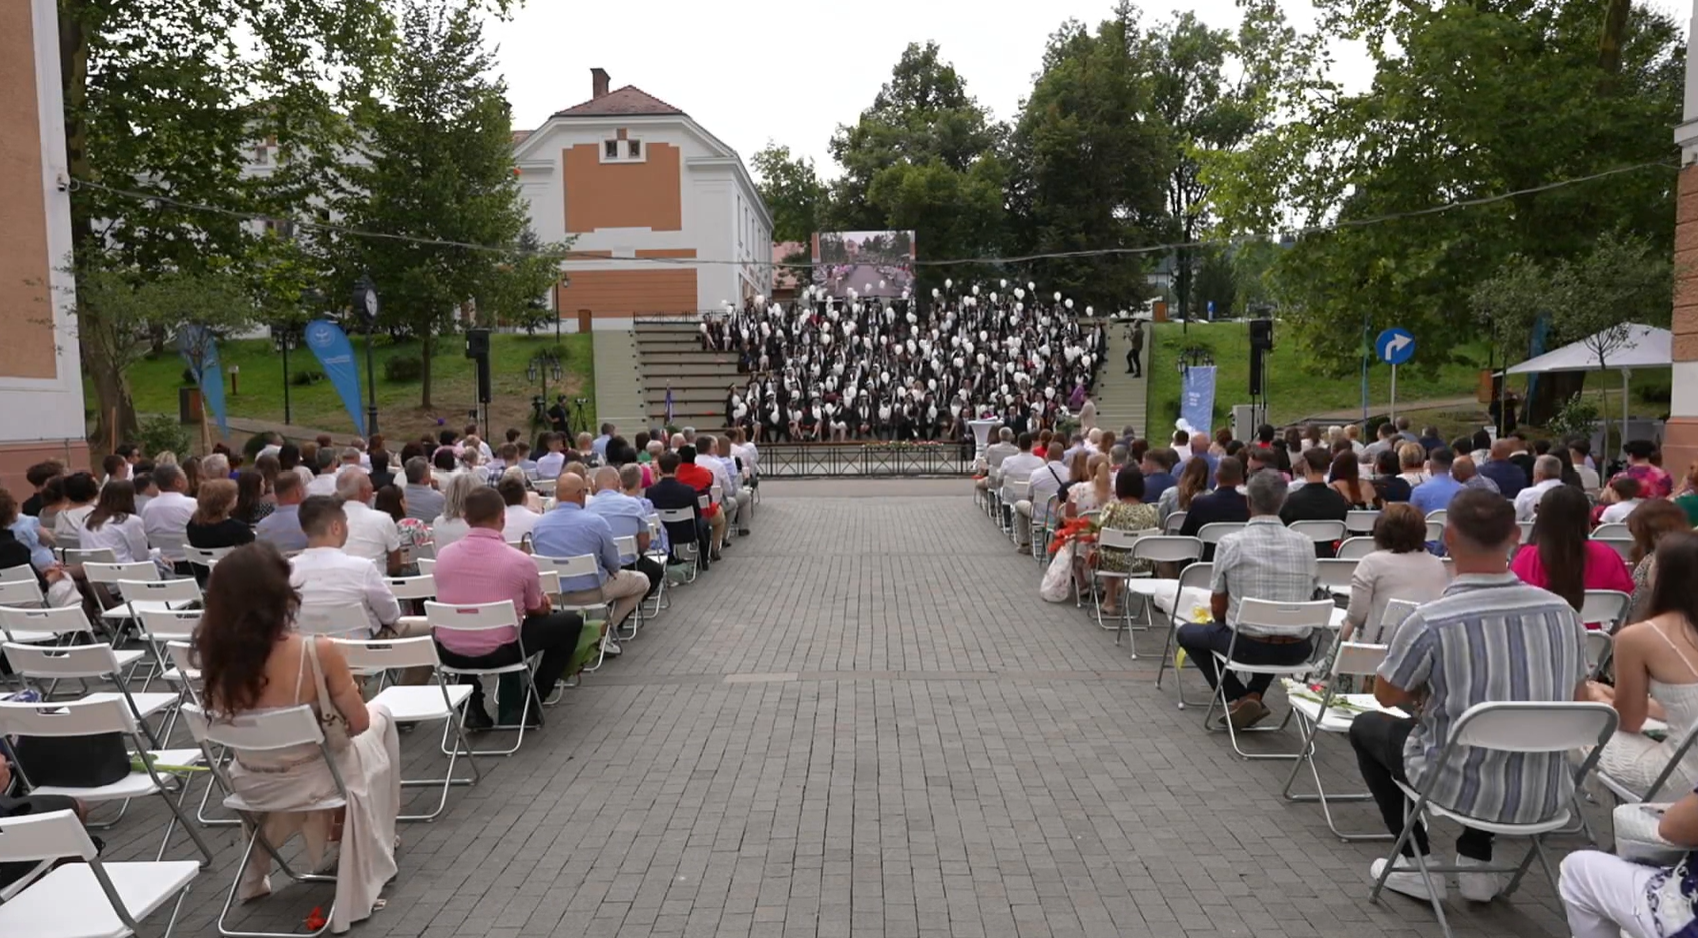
(622, 150)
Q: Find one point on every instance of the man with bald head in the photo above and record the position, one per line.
(1509, 477)
(570, 531)
(628, 518)
(1465, 472)
(372, 534)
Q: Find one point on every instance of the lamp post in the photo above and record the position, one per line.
(365, 305)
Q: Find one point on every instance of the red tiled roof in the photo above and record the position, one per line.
(520, 135)
(627, 100)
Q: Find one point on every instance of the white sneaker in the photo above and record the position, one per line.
(612, 649)
(1476, 887)
(1410, 883)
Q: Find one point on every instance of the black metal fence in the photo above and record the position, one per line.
(865, 460)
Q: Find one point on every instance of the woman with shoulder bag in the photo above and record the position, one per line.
(252, 660)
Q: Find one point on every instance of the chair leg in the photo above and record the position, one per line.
(206, 797)
(236, 884)
(458, 721)
(1306, 757)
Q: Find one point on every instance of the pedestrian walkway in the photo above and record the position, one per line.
(1121, 398)
(864, 722)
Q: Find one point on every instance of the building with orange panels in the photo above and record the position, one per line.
(41, 390)
(665, 217)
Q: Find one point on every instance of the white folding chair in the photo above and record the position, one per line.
(427, 565)
(1021, 490)
(1524, 727)
(205, 556)
(151, 593)
(1174, 522)
(73, 555)
(628, 554)
(1525, 532)
(1435, 531)
(185, 663)
(1321, 532)
(1627, 794)
(1361, 521)
(64, 625)
(1114, 539)
(1600, 648)
(1356, 548)
(257, 732)
(337, 621)
(584, 565)
(1438, 515)
(1155, 548)
(1621, 545)
(86, 898)
(1316, 716)
(485, 617)
(107, 716)
(1044, 525)
(1195, 576)
(23, 573)
(1612, 530)
(544, 487)
(1391, 620)
(422, 703)
(1271, 618)
(45, 666)
(1607, 607)
(416, 588)
(685, 550)
(1334, 574)
(658, 556)
(1210, 534)
(103, 579)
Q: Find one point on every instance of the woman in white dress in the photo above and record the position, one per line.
(1092, 493)
(1656, 676)
(252, 659)
(114, 524)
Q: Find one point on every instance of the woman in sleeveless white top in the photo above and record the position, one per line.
(1637, 760)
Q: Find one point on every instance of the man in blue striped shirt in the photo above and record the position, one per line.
(1490, 637)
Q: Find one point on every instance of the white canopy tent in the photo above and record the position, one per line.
(1641, 347)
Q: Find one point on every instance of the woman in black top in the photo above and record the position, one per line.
(212, 525)
(251, 503)
(1387, 483)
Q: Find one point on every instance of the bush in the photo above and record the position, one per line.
(1655, 394)
(306, 377)
(160, 433)
(1575, 420)
(403, 368)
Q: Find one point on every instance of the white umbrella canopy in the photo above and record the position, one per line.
(1645, 347)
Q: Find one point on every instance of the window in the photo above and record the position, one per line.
(610, 149)
(634, 149)
(621, 151)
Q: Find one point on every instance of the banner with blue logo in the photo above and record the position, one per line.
(336, 354)
(1197, 397)
(196, 342)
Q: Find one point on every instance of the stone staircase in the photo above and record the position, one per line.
(670, 354)
(618, 380)
(1121, 398)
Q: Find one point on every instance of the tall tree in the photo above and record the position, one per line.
(1469, 100)
(792, 191)
(926, 156)
(1090, 156)
(171, 97)
(437, 167)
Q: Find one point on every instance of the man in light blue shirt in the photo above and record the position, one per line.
(599, 444)
(1436, 493)
(570, 531)
(627, 517)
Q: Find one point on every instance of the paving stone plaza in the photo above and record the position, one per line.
(866, 723)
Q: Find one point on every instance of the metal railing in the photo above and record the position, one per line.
(868, 459)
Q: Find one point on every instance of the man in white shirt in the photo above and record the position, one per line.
(552, 462)
(1016, 469)
(372, 535)
(743, 448)
(1182, 447)
(330, 579)
(733, 498)
(1547, 475)
(1622, 496)
(1046, 483)
(166, 517)
(325, 482)
(520, 520)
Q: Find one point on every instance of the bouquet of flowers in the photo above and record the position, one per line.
(1082, 530)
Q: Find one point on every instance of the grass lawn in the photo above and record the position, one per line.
(154, 384)
(1296, 392)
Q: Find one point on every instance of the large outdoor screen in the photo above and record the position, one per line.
(872, 263)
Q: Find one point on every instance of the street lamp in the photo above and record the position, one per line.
(365, 306)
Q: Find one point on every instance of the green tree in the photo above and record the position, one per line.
(1215, 283)
(926, 156)
(792, 191)
(1469, 100)
(1090, 157)
(438, 171)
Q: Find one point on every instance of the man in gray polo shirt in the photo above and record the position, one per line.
(1489, 637)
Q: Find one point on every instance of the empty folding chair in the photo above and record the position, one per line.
(1439, 515)
(1361, 521)
(106, 716)
(1523, 727)
(73, 555)
(1155, 548)
(488, 617)
(1268, 618)
(60, 625)
(103, 579)
(1525, 532)
(427, 565)
(1317, 716)
(1356, 548)
(414, 589)
(1614, 529)
(87, 897)
(44, 666)
(257, 733)
(1197, 576)
(544, 487)
(424, 703)
(1621, 545)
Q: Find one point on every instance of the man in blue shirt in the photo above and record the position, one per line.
(1436, 493)
(1157, 467)
(599, 444)
(627, 517)
(569, 531)
(1509, 477)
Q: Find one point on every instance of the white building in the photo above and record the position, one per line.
(645, 191)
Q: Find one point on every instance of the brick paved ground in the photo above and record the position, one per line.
(865, 722)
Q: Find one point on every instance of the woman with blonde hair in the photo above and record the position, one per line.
(1095, 491)
(1412, 463)
(212, 524)
(451, 525)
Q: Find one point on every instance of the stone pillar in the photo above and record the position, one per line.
(41, 391)
(1680, 439)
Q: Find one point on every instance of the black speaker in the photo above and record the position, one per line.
(1256, 356)
(477, 343)
(1261, 333)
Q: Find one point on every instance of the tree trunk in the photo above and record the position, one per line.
(425, 345)
(1609, 41)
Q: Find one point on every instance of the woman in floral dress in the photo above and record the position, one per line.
(1126, 513)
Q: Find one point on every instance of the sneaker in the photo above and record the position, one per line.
(1406, 879)
(1247, 713)
(1476, 887)
(612, 649)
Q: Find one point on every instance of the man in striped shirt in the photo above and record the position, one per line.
(1490, 637)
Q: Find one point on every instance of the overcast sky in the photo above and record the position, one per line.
(755, 70)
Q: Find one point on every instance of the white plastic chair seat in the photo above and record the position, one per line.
(1194, 596)
(33, 638)
(1153, 587)
(175, 676)
(1496, 827)
(121, 611)
(127, 658)
(236, 803)
(1338, 721)
(68, 901)
(146, 704)
(415, 704)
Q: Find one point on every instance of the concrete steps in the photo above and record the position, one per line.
(670, 354)
(1121, 398)
(618, 379)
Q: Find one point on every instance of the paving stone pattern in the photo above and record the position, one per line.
(865, 722)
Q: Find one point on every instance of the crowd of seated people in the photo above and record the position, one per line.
(899, 370)
(305, 537)
(1497, 585)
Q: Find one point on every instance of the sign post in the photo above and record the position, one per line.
(1395, 346)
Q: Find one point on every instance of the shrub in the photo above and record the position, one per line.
(1655, 394)
(306, 377)
(403, 368)
(161, 433)
(1575, 420)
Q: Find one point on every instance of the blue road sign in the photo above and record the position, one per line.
(1395, 345)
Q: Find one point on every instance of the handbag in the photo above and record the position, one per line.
(72, 761)
(330, 719)
(1636, 836)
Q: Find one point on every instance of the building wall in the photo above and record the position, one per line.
(622, 195)
(41, 399)
(1680, 436)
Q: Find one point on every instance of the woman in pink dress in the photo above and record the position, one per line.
(1560, 557)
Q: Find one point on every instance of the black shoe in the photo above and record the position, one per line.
(533, 717)
(477, 718)
(743, 532)
(715, 557)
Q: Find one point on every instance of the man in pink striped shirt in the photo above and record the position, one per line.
(482, 568)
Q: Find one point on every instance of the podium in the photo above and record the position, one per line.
(981, 436)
